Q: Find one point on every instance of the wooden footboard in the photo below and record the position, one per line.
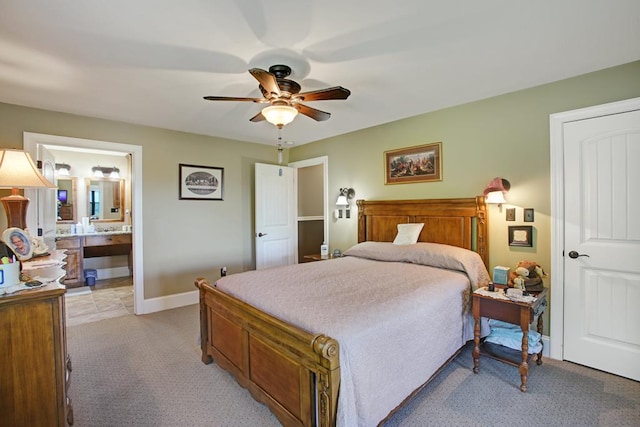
(295, 373)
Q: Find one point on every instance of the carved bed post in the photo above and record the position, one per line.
(204, 324)
(328, 383)
(482, 226)
(361, 221)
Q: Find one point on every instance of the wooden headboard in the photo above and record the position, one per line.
(456, 222)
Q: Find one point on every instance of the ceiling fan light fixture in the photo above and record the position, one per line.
(279, 115)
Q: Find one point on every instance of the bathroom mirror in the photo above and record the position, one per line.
(66, 201)
(105, 200)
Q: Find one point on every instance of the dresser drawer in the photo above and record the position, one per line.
(110, 239)
(67, 242)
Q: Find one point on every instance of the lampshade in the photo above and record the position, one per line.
(17, 171)
(496, 197)
(342, 201)
(495, 190)
(279, 115)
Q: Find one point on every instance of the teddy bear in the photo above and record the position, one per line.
(527, 276)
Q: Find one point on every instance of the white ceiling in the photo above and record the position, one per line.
(150, 62)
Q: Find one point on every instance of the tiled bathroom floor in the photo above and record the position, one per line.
(108, 298)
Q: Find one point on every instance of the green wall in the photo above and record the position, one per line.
(182, 239)
(505, 136)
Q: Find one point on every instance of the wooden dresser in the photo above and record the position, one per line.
(34, 366)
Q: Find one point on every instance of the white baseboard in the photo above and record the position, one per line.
(112, 273)
(546, 342)
(153, 305)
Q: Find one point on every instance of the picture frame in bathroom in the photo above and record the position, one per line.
(200, 182)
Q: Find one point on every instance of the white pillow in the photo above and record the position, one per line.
(408, 234)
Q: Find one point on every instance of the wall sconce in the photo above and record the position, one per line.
(62, 169)
(494, 191)
(100, 172)
(17, 171)
(346, 194)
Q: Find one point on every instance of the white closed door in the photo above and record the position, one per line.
(275, 216)
(602, 243)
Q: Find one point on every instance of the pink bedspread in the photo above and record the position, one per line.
(396, 321)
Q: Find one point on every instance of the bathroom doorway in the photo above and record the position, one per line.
(312, 210)
(33, 142)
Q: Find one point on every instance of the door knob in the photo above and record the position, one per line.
(574, 255)
(261, 234)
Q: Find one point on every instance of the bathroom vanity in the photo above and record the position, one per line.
(98, 244)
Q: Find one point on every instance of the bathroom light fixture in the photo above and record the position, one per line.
(17, 171)
(346, 194)
(494, 191)
(97, 172)
(101, 172)
(62, 169)
(279, 114)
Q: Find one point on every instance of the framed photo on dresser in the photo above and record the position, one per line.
(19, 242)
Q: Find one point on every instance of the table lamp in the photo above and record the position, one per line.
(17, 171)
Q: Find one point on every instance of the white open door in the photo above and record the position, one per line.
(43, 201)
(275, 216)
(602, 243)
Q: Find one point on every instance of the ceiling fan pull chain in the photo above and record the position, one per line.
(279, 145)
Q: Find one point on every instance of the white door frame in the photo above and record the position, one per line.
(324, 161)
(30, 143)
(557, 122)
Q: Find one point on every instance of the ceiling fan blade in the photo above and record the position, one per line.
(232, 98)
(336, 92)
(267, 81)
(317, 115)
(257, 118)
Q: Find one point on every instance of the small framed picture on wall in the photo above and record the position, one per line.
(521, 235)
(528, 214)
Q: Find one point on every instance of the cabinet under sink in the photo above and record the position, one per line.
(80, 247)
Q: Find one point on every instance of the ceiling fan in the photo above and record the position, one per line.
(284, 97)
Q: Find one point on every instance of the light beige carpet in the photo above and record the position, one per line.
(146, 371)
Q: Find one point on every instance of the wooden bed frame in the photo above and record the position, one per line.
(296, 373)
